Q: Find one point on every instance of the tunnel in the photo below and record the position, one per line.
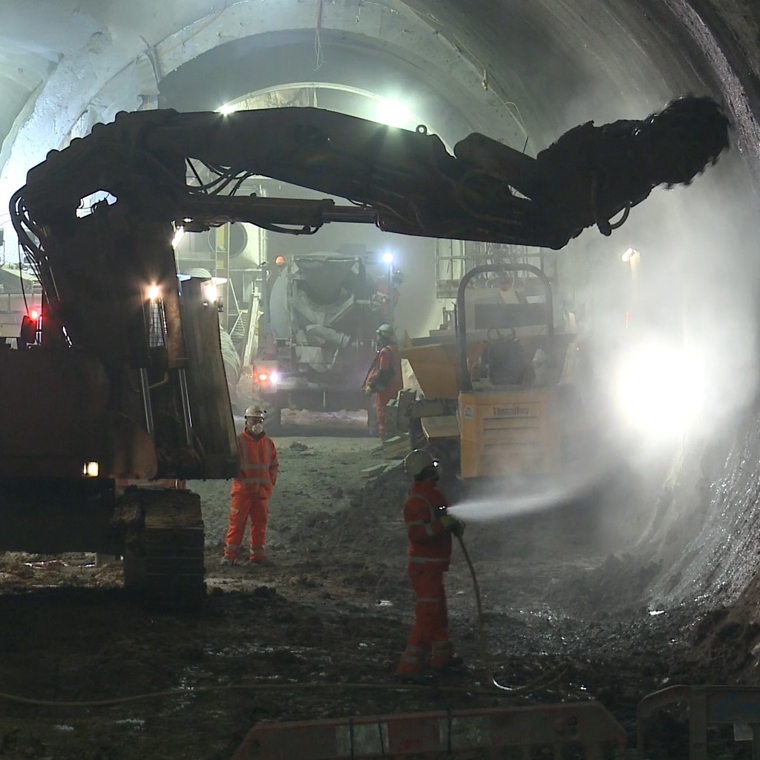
(522, 73)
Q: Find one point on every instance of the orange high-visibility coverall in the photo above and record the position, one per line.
(250, 492)
(429, 556)
(385, 380)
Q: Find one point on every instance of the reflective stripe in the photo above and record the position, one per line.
(423, 560)
(251, 470)
(429, 599)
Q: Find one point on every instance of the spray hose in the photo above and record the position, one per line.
(539, 683)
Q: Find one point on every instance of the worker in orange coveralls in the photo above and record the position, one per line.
(251, 489)
(429, 529)
(384, 378)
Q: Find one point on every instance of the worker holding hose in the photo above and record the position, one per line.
(429, 530)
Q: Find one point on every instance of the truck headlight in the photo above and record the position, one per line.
(268, 377)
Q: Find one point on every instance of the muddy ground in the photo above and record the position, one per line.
(317, 633)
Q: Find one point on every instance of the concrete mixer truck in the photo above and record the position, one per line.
(315, 335)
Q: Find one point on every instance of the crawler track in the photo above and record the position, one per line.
(163, 560)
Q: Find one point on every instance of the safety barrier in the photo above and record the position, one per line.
(581, 730)
(708, 705)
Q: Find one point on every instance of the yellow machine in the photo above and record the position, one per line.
(516, 411)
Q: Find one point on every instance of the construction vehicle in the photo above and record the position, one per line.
(316, 335)
(20, 296)
(121, 375)
(500, 400)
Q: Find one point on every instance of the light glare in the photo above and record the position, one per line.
(178, 235)
(91, 469)
(660, 389)
(394, 113)
(210, 292)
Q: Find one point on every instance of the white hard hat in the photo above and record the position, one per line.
(254, 411)
(386, 330)
(418, 460)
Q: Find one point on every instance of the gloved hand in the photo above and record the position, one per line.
(368, 391)
(451, 524)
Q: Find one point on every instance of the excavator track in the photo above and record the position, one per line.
(163, 552)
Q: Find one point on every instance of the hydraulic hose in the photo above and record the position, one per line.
(542, 681)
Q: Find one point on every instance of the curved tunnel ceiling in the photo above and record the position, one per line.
(277, 59)
(512, 69)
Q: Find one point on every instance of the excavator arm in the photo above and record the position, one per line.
(402, 181)
(167, 169)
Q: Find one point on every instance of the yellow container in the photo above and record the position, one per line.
(509, 433)
(435, 367)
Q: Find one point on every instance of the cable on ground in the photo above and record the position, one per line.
(433, 688)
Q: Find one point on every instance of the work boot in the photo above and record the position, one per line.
(230, 561)
(259, 559)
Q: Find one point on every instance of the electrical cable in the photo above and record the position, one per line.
(430, 688)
